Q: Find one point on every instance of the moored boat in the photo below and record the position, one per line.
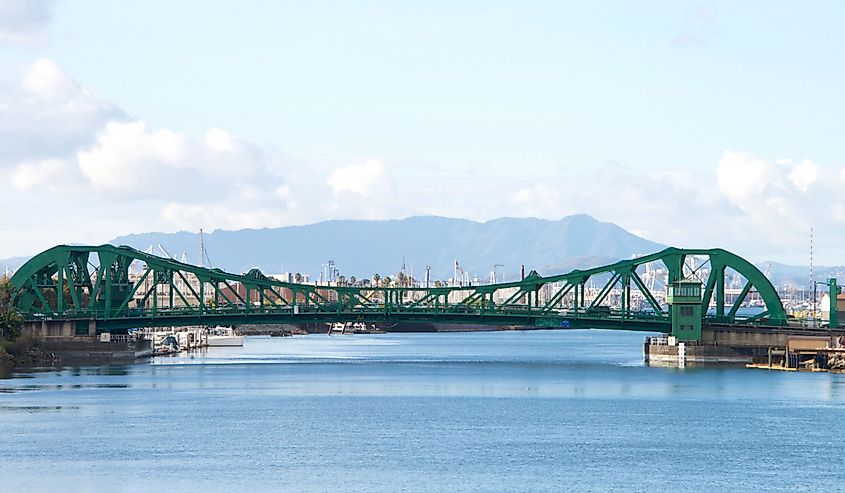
(224, 337)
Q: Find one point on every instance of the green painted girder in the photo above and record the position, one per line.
(123, 287)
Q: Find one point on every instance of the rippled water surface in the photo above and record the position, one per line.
(498, 411)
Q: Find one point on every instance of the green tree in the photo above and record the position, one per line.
(11, 320)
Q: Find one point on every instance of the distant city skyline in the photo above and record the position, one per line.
(690, 124)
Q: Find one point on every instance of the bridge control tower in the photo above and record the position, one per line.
(684, 299)
(833, 303)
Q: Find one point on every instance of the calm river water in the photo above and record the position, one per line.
(499, 411)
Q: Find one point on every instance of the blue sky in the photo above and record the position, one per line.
(691, 123)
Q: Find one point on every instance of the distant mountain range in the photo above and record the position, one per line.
(798, 276)
(362, 248)
(10, 264)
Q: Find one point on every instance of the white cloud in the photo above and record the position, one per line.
(57, 137)
(130, 161)
(47, 114)
(804, 175)
(54, 174)
(44, 80)
(24, 22)
(75, 148)
(536, 200)
(366, 178)
(97, 162)
(773, 193)
(128, 158)
(222, 216)
(780, 200)
(219, 140)
(741, 176)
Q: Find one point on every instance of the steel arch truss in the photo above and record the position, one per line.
(123, 287)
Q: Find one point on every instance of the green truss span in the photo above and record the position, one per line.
(120, 287)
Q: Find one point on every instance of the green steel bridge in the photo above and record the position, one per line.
(115, 288)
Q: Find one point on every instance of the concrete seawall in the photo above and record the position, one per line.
(89, 349)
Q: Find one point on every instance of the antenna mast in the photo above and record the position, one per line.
(812, 284)
(203, 253)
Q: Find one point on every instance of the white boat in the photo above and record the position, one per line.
(337, 328)
(224, 336)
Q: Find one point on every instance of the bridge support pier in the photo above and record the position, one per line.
(734, 344)
(45, 329)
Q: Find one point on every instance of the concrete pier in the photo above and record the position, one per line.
(92, 350)
(59, 328)
(77, 341)
(740, 345)
(664, 351)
